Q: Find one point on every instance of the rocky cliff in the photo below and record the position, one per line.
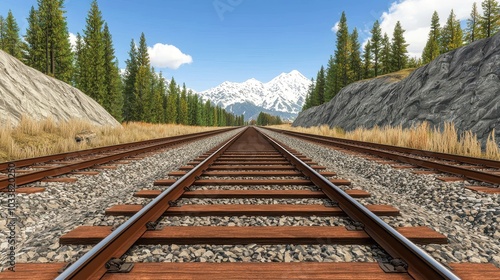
(24, 90)
(462, 86)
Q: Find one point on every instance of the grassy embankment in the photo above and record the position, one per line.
(38, 138)
(421, 137)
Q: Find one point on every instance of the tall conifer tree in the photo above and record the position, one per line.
(451, 34)
(342, 54)
(129, 84)
(376, 46)
(33, 52)
(431, 50)
(172, 102)
(3, 31)
(472, 29)
(490, 20)
(183, 106)
(92, 64)
(319, 89)
(385, 55)
(57, 57)
(356, 65)
(399, 49)
(10, 39)
(113, 101)
(330, 79)
(367, 61)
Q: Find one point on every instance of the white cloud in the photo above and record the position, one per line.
(72, 40)
(168, 56)
(415, 17)
(335, 28)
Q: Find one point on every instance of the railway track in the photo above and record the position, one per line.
(252, 165)
(461, 167)
(47, 168)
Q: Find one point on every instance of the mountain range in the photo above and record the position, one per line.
(283, 96)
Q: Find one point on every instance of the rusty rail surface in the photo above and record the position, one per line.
(387, 151)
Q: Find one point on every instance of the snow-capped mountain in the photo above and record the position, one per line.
(283, 96)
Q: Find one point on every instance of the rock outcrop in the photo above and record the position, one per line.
(462, 86)
(26, 91)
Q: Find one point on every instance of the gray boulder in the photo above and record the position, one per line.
(26, 91)
(462, 86)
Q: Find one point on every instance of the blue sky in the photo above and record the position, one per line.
(206, 42)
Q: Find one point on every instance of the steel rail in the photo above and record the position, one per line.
(420, 264)
(34, 176)
(92, 264)
(44, 159)
(437, 155)
(468, 173)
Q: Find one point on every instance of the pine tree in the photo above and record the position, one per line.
(78, 58)
(451, 34)
(356, 65)
(431, 50)
(309, 95)
(414, 62)
(330, 80)
(341, 55)
(172, 102)
(129, 84)
(10, 40)
(399, 57)
(141, 90)
(3, 31)
(113, 98)
(208, 115)
(376, 46)
(33, 52)
(319, 89)
(200, 120)
(472, 29)
(367, 61)
(92, 64)
(156, 99)
(57, 59)
(159, 99)
(385, 55)
(490, 20)
(183, 106)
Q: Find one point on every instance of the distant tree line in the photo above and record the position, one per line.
(382, 55)
(140, 94)
(267, 119)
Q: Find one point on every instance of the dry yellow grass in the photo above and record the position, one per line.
(38, 138)
(422, 137)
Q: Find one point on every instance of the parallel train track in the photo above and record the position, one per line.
(478, 169)
(45, 167)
